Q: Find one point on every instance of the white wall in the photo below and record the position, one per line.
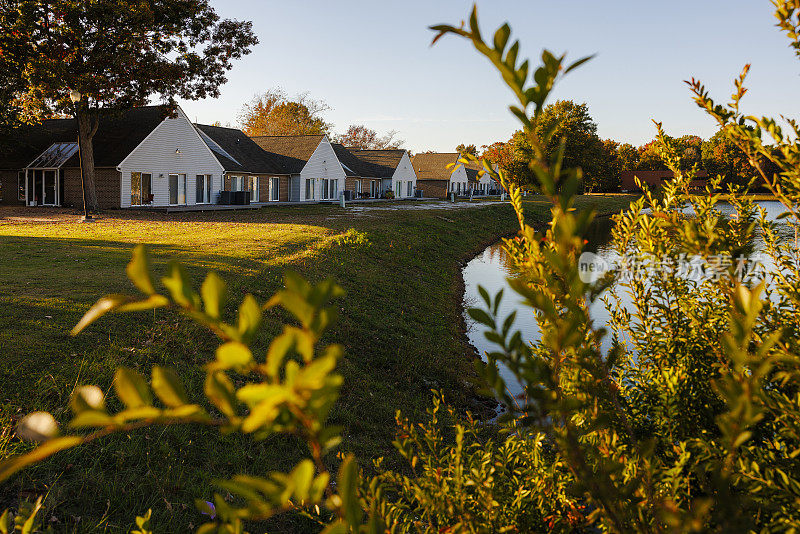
(404, 173)
(459, 176)
(157, 156)
(323, 164)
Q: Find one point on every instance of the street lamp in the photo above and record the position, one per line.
(75, 96)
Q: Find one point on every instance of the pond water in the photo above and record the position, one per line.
(491, 269)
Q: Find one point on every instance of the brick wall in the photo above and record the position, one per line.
(106, 182)
(433, 188)
(8, 184)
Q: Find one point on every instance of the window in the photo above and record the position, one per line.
(330, 189)
(398, 189)
(309, 189)
(141, 188)
(252, 186)
(203, 189)
(21, 185)
(274, 189)
(410, 192)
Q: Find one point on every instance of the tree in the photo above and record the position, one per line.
(571, 122)
(649, 158)
(467, 149)
(275, 113)
(628, 157)
(722, 157)
(360, 136)
(117, 54)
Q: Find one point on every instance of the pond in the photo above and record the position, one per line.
(491, 269)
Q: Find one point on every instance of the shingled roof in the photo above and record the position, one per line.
(294, 150)
(433, 166)
(117, 135)
(238, 153)
(382, 162)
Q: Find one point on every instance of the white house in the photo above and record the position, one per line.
(394, 168)
(172, 166)
(316, 174)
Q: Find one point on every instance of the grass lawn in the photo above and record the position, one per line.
(400, 325)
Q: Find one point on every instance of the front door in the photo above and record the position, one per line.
(50, 188)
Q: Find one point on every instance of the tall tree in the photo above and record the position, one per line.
(275, 113)
(117, 54)
(571, 122)
(360, 136)
(722, 157)
(467, 149)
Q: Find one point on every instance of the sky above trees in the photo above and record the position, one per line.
(372, 63)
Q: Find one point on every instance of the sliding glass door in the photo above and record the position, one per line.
(177, 189)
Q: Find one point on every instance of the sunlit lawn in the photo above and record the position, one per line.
(400, 324)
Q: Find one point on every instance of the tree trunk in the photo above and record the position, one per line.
(87, 126)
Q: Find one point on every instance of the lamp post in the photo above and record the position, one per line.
(75, 96)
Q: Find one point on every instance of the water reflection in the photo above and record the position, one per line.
(491, 268)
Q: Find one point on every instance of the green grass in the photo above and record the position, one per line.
(400, 324)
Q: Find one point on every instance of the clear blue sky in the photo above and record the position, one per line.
(373, 63)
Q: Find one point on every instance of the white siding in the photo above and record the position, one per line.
(459, 176)
(157, 156)
(323, 164)
(404, 173)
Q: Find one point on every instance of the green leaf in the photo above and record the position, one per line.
(481, 316)
(347, 487)
(302, 477)
(10, 466)
(213, 292)
(5, 522)
(338, 527)
(501, 37)
(578, 63)
(249, 317)
(91, 419)
(131, 388)
(220, 391)
(138, 270)
(167, 385)
(233, 355)
(100, 308)
(179, 286)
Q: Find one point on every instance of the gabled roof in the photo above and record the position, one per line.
(294, 150)
(433, 166)
(352, 165)
(117, 135)
(238, 153)
(383, 162)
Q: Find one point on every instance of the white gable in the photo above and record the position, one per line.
(322, 165)
(173, 147)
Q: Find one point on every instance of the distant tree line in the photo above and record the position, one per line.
(604, 160)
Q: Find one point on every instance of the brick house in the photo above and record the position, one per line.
(656, 179)
(436, 179)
